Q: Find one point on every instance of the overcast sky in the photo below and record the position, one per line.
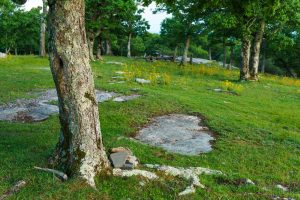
(153, 19)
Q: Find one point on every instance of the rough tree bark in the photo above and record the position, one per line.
(186, 50)
(80, 150)
(129, 46)
(246, 47)
(43, 30)
(256, 51)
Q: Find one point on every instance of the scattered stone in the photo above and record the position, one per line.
(115, 63)
(127, 166)
(3, 55)
(44, 68)
(135, 172)
(132, 161)
(282, 188)
(250, 182)
(123, 158)
(120, 72)
(281, 198)
(135, 89)
(142, 81)
(177, 133)
(102, 96)
(118, 160)
(117, 77)
(126, 98)
(218, 90)
(121, 149)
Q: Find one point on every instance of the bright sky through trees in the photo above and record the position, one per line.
(153, 19)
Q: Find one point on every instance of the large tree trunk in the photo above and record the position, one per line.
(256, 51)
(186, 50)
(80, 150)
(231, 57)
(175, 53)
(43, 30)
(246, 47)
(224, 53)
(91, 41)
(108, 48)
(129, 46)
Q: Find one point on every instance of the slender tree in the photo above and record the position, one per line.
(43, 30)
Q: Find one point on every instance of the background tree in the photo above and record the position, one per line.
(19, 29)
(43, 29)
(132, 23)
(172, 33)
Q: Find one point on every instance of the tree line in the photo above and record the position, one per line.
(254, 35)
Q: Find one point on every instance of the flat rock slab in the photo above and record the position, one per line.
(118, 159)
(177, 133)
(126, 98)
(103, 96)
(40, 108)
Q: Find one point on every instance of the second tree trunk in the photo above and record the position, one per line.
(129, 46)
(186, 50)
(246, 47)
(256, 51)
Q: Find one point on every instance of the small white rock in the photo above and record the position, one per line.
(142, 81)
(281, 187)
(218, 90)
(248, 181)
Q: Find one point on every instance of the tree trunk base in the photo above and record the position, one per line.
(86, 167)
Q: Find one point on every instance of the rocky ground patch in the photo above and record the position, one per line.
(177, 133)
(40, 108)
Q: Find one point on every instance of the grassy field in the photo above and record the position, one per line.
(257, 126)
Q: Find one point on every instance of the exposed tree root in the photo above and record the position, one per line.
(191, 174)
(16, 188)
(61, 175)
(135, 172)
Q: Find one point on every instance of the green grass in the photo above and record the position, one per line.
(257, 131)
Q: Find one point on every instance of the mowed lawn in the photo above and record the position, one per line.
(256, 125)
